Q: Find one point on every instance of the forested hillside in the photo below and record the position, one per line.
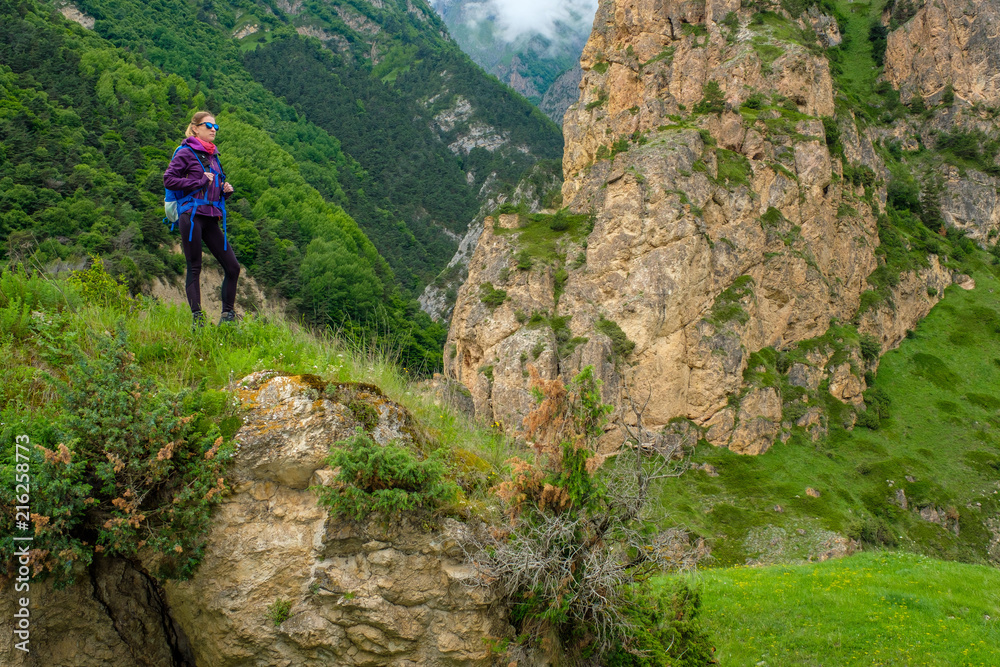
(93, 109)
(385, 74)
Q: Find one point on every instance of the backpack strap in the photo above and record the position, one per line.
(191, 203)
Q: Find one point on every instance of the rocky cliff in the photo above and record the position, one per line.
(947, 43)
(281, 582)
(729, 266)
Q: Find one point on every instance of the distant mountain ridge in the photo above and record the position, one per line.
(538, 55)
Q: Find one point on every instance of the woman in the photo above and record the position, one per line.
(195, 169)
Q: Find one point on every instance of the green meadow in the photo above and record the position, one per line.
(876, 608)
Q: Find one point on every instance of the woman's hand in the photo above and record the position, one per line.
(209, 175)
(227, 188)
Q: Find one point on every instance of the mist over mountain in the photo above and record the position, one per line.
(534, 47)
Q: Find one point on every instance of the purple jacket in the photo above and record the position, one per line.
(185, 174)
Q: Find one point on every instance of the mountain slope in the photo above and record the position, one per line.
(89, 129)
(927, 479)
(750, 188)
(201, 46)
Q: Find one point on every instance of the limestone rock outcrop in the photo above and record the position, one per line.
(114, 616)
(729, 242)
(377, 593)
(947, 42)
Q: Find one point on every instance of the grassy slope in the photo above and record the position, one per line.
(165, 347)
(942, 432)
(875, 608)
(869, 609)
(859, 72)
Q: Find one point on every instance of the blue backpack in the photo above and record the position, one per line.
(176, 203)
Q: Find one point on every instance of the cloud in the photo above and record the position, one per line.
(550, 18)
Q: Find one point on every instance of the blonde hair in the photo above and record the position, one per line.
(197, 120)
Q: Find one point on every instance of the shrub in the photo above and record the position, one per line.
(973, 147)
(904, 195)
(755, 102)
(621, 346)
(667, 631)
(524, 260)
(732, 22)
(386, 479)
(948, 96)
(491, 296)
(878, 402)
(98, 287)
(575, 543)
(279, 611)
(873, 531)
(869, 419)
(135, 467)
(878, 35)
(870, 347)
(832, 132)
(560, 221)
(714, 100)
(859, 174)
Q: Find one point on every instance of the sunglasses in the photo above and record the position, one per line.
(211, 126)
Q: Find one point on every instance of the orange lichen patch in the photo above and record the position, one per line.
(247, 397)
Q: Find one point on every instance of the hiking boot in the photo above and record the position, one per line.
(227, 316)
(199, 320)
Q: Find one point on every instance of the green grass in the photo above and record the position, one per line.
(252, 41)
(165, 347)
(733, 169)
(728, 305)
(779, 28)
(869, 609)
(943, 387)
(539, 235)
(854, 66)
(858, 71)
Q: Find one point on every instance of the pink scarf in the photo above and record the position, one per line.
(206, 146)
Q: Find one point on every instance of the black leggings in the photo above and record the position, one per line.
(207, 229)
